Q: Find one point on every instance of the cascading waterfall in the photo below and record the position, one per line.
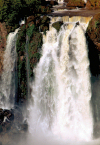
(61, 91)
(7, 87)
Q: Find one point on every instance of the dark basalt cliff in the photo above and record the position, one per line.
(93, 38)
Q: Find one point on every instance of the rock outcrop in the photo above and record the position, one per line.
(3, 36)
(57, 25)
(12, 125)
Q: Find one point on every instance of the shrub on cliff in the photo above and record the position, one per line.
(93, 4)
(93, 30)
(93, 38)
(44, 24)
(76, 3)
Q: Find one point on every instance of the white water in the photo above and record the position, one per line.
(85, 1)
(61, 91)
(7, 84)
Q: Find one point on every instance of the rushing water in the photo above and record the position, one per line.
(61, 91)
(60, 110)
(7, 84)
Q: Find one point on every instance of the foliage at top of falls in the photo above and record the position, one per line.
(12, 11)
(11, 8)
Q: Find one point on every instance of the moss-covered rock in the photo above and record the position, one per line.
(93, 4)
(57, 25)
(21, 64)
(29, 45)
(35, 45)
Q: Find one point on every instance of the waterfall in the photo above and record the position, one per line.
(61, 91)
(7, 84)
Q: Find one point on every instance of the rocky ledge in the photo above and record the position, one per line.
(75, 12)
(12, 125)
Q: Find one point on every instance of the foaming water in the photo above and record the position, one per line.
(7, 87)
(61, 92)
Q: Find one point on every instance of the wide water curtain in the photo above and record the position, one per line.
(61, 91)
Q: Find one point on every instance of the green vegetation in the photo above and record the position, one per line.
(30, 30)
(21, 63)
(93, 29)
(97, 24)
(12, 11)
(34, 47)
(34, 50)
(93, 4)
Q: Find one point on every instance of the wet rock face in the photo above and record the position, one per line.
(93, 4)
(1, 116)
(76, 3)
(6, 116)
(12, 119)
(12, 126)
